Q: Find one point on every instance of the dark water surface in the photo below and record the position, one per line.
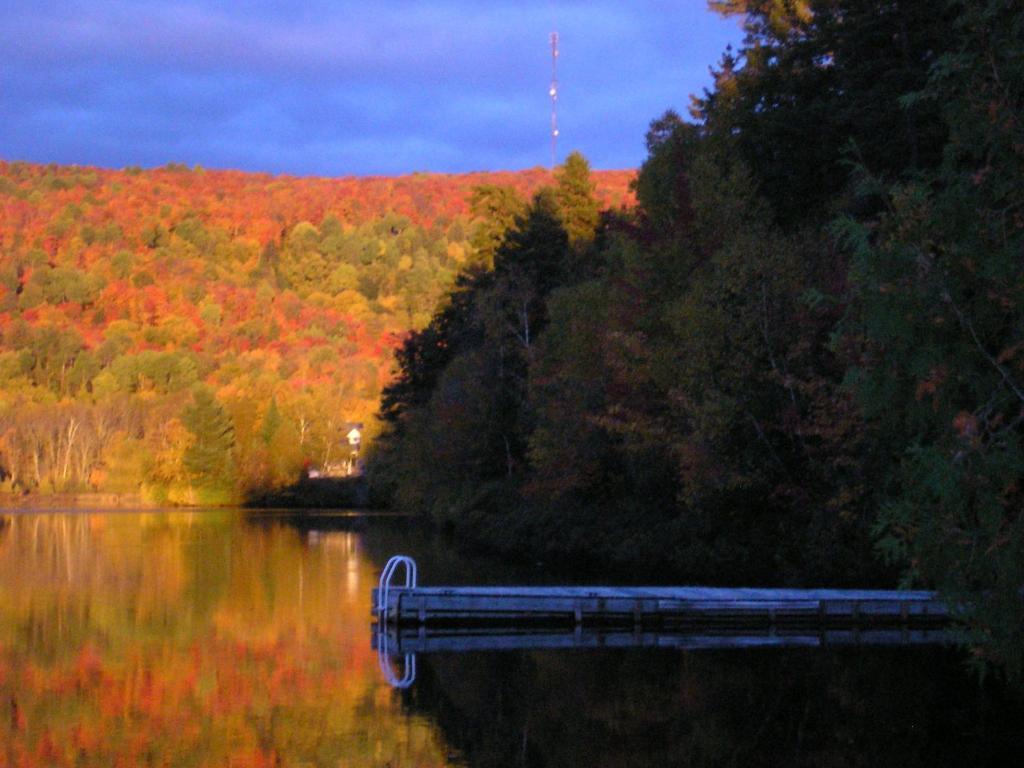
(229, 639)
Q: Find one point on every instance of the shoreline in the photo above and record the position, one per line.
(309, 494)
(54, 501)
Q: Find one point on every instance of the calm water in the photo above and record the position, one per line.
(213, 638)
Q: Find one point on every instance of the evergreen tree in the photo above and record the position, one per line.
(495, 209)
(271, 422)
(424, 354)
(820, 83)
(208, 458)
(578, 208)
(458, 406)
(536, 250)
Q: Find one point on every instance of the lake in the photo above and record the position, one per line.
(226, 638)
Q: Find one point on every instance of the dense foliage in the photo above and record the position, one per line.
(193, 335)
(805, 348)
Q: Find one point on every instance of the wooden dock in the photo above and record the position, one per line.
(655, 607)
(413, 619)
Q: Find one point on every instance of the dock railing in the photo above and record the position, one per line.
(386, 575)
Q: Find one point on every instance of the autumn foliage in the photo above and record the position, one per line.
(129, 297)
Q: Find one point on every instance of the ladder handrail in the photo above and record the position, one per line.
(383, 599)
(386, 575)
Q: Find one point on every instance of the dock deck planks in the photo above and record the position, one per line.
(641, 606)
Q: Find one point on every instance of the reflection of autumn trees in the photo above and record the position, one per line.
(70, 577)
(191, 639)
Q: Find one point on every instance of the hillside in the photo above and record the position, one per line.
(191, 335)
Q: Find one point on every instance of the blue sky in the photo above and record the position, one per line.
(336, 88)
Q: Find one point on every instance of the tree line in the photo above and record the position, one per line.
(800, 360)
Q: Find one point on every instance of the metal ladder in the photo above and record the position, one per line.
(408, 676)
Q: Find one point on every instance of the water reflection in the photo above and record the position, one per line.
(204, 639)
(193, 639)
(768, 707)
(428, 639)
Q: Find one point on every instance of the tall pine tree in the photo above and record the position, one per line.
(579, 209)
(208, 459)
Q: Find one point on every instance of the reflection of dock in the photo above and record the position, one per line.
(448, 640)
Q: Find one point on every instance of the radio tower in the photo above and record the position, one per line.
(553, 93)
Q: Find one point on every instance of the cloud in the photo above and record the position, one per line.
(335, 87)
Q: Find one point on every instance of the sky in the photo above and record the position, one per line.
(335, 88)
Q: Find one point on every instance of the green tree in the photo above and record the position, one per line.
(940, 300)
(577, 205)
(155, 235)
(536, 248)
(461, 387)
(572, 456)
(208, 459)
(818, 83)
(271, 422)
(301, 265)
(49, 354)
(423, 356)
(495, 209)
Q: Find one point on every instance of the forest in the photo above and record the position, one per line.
(798, 360)
(178, 335)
